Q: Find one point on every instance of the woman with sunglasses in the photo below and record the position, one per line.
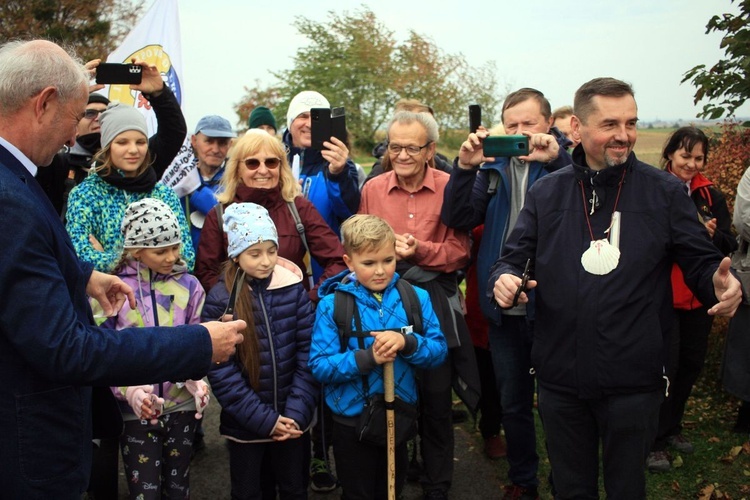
(258, 172)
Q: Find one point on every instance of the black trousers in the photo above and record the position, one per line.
(362, 468)
(436, 426)
(288, 460)
(625, 424)
(687, 353)
(490, 409)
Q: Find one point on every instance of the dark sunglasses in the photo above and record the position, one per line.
(92, 113)
(254, 163)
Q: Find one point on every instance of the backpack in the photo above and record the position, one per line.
(344, 310)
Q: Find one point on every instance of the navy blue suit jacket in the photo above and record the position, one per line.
(51, 355)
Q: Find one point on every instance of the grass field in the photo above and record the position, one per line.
(720, 467)
(647, 148)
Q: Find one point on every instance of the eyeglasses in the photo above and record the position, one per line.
(395, 149)
(90, 114)
(254, 163)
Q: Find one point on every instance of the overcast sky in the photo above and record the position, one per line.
(553, 46)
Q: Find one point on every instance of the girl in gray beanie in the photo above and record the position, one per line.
(123, 175)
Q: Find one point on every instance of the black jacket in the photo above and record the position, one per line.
(597, 335)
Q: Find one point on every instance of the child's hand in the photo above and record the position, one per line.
(199, 390)
(144, 403)
(286, 428)
(387, 345)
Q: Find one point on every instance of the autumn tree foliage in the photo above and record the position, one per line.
(726, 84)
(93, 29)
(355, 61)
(729, 156)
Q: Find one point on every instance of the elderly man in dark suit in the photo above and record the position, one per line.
(50, 355)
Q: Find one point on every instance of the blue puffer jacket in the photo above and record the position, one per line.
(283, 317)
(467, 204)
(342, 372)
(336, 197)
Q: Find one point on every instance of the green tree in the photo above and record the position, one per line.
(726, 83)
(355, 61)
(93, 29)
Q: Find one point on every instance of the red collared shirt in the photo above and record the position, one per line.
(440, 248)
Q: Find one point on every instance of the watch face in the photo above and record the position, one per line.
(407, 330)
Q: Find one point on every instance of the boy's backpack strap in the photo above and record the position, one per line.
(411, 304)
(345, 311)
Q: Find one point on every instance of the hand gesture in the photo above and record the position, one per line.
(91, 70)
(406, 246)
(470, 154)
(727, 289)
(710, 227)
(387, 345)
(199, 390)
(506, 287)
(286, 428)
(224, 338)
(145, 404)
(151, 81)
(542, 148)
(336, 154)
(110, 292)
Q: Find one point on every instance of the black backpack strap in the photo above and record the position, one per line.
(411, 304)
(494, 181)
(301, 230)
(220, 217)
(344, 312)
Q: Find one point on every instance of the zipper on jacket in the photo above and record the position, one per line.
(272, 349)
(155, 312)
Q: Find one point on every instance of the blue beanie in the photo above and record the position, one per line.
(247, 224)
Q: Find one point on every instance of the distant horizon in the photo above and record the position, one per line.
(648, 44)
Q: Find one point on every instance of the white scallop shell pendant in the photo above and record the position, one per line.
(601, 258)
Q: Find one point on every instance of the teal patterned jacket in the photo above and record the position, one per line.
(97, 207)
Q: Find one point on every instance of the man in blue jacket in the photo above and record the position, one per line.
(602, 235)
(493, 195)
(50, 355)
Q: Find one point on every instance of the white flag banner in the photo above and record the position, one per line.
(155, 40)
(182, 174)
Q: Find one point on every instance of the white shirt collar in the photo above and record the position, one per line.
(28, 164)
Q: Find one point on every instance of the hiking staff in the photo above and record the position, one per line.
(390, 417)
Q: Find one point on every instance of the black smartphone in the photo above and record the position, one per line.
(502, 146)
(475, 117)
(115, 73)
(338, 124)
(320, 127)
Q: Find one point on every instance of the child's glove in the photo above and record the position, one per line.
(141, 398)
(199, 390)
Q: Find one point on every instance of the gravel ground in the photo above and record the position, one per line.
(474, 476)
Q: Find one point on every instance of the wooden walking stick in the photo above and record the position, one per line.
(390, 417)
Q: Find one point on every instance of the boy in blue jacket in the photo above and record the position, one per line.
(354, 373)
